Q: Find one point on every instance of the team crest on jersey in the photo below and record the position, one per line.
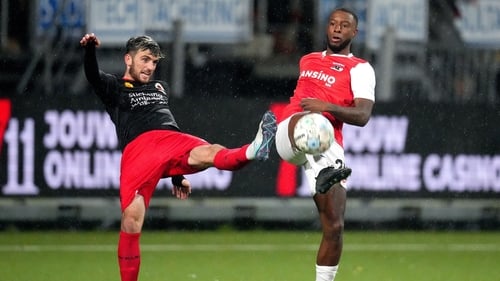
(128, 85)
(160, 88)
(337, 66)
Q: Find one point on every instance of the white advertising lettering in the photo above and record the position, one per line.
(387, 172)
(20, 139)
(82, 151)
(82, 169)
(81, 129)
(82, 154)
(462, 173)
(381, 134)
(376, 154)
(78, 150)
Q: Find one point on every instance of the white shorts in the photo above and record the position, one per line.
(333, 157)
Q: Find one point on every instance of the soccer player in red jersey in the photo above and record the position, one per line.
(153, 146)
(341, 87)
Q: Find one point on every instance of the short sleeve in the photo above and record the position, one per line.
(363, 81)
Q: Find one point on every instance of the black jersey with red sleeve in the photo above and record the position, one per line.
(134, 107)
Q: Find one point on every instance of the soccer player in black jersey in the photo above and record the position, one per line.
(153, 146)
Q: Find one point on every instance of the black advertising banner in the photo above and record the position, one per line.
(66, 146)
(429, 150)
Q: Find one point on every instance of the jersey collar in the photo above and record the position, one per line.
(323, 54)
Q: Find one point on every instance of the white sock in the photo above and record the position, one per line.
(255, 144)
(326, 273)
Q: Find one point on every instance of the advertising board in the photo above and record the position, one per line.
(214, 21)
(67, 147)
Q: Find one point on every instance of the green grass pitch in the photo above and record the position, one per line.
(227, 255)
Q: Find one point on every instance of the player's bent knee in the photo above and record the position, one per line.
(203, 156)
(131, 224)
(133, 215)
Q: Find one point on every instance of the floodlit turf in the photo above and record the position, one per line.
(251, 256)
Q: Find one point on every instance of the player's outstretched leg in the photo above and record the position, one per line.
(329, 176)
(261, 145)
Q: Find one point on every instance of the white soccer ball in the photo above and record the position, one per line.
(313, 134)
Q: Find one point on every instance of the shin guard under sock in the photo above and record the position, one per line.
(231, 159)
(129, 256)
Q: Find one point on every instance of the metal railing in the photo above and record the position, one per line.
(463, 75)
(437, 73)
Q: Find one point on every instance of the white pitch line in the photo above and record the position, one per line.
(396, 247)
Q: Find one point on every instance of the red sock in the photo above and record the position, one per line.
(129, 256)
(231, 159)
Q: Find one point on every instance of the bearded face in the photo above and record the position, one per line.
(141, 66)
(338, 47)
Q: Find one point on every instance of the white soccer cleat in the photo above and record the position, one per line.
(265, 136)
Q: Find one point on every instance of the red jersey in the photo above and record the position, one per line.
(337, 79)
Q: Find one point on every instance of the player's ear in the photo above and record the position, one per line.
(128, 59)
(355, 32)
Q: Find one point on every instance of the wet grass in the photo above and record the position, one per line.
(227, 255)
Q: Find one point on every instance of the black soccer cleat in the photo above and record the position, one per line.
(329, 176)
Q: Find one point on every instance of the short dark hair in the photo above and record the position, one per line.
(349, 11)
(143, 42)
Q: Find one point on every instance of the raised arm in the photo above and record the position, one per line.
(357, 115)
(90, 42)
